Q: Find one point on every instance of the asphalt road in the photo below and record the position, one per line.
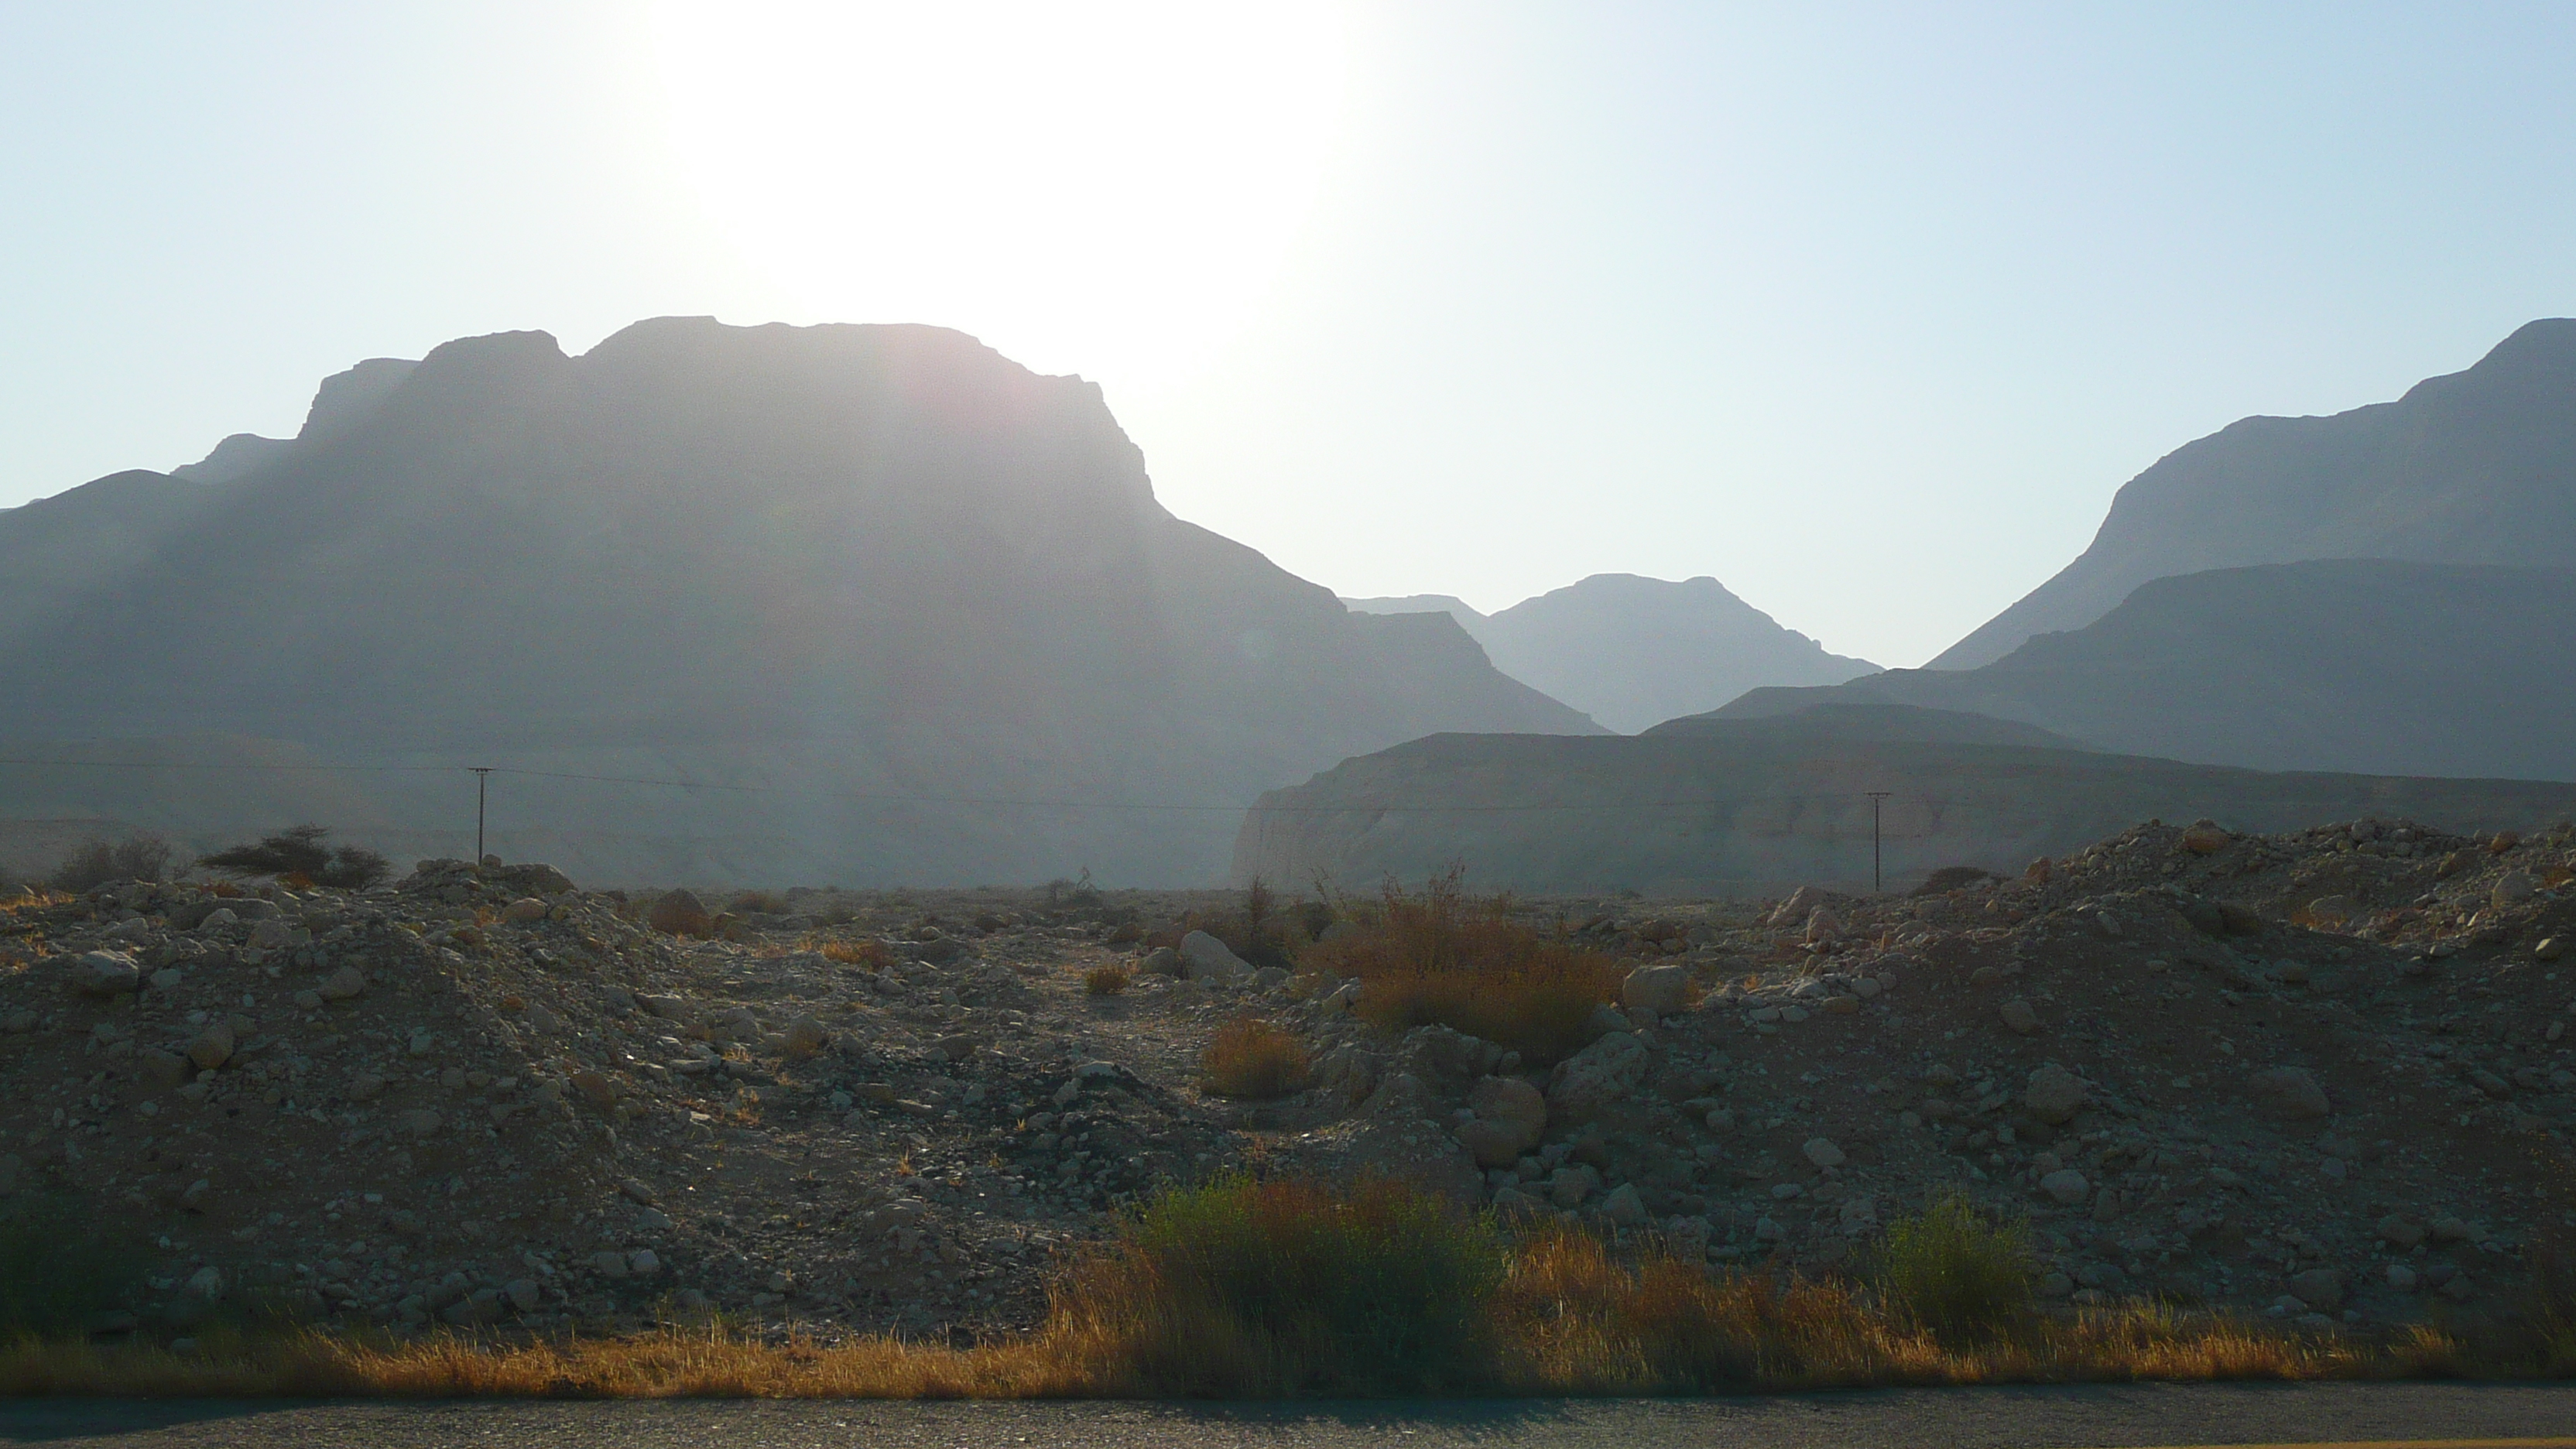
(2033, 1418)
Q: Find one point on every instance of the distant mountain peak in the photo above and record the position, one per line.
(1632, 651)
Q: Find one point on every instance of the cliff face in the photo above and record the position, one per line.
(872, 571)
(1755, 807)
(2478, 467)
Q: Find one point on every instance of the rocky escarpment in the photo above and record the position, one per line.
(1750, 806)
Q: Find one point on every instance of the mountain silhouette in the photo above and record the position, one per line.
(2478, 467)
(865, 572)
(1632, 652)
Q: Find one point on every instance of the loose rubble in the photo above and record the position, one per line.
(2322, 1076)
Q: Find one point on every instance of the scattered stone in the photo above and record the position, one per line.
(2066, 1185)
(342, 985)
(1822, 1152)
(2018, 1015)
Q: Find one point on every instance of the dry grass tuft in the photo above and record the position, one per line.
(1108, 980)
(1444, 956)
(866, 951)
(1252, 1058)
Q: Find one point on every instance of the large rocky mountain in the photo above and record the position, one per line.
(906, 610)
(2349, 664)
(1632, 652)
(2477, 467)
(1754, 806)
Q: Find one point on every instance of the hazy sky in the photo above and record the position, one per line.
(1864, 310)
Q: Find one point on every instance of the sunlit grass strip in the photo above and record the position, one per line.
(1252, 1288)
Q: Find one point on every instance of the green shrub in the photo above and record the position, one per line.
(1249, 1286)
(144, 857)
(59, 1265)
(1958, 1274)
(303, 852)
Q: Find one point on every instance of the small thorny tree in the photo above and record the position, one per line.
(303, 851)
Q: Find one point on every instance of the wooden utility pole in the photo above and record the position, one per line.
(1874, 797)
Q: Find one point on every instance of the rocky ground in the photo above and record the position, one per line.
(2321, 1075)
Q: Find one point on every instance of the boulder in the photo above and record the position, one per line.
(1662, 990)
(105, 973)
(1161, 961)
(2289, 1092)
(213, 1046)
(2203, 837)
(1623, 1206)
(2066, 1185)
(523, 911)
(1822, 1152)
(1205, 958)
(1795, 908)
(2054, 1095)
(1511, 1116)
(342, 985)
(1596, 1076)
(2018, 1015)
(680, 913)
(2513, 888)
(2319, 1288)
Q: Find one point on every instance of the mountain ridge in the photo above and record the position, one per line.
(2475, 467)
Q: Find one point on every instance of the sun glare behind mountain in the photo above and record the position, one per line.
(1102, 188)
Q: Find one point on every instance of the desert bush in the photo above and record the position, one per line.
(1956, 1273)
(766, 903)
(59, 1264)
(303, 851)
(95, 863)
(1252, 1058)
(1444, 956)
(1243, 1286)
(1108, 980)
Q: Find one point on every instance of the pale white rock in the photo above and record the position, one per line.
(1598, 1075)
(1663, 990)
(1205, 958)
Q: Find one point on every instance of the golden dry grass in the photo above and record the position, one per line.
(1253, 1288)
(1108, 980)
(1252, 1058)
(867, 951)
(1447, 957)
